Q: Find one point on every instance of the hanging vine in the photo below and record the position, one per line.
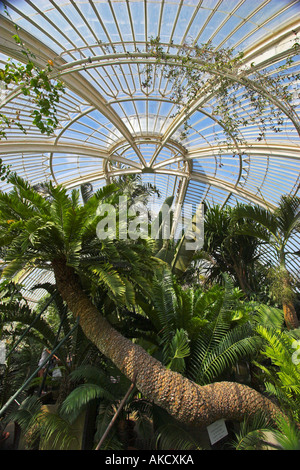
(36, 83)
(199, 72)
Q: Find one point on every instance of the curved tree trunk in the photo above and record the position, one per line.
(290, 315)
(180, 397)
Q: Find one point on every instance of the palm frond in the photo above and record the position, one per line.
(79, 398)
(283, 376)
(269, 315)
(252, 433)
(57, 432)
(110, 278)
(288, 215)
(12, 268)
(287, 434)
(17, 312)
(235, 345)
(89, 373)
(26, 414)
(172, 436)
(258, 214)
(164, 302)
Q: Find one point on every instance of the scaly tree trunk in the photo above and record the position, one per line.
(290, 315)
(183, 399)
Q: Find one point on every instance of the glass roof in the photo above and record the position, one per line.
(110, 124)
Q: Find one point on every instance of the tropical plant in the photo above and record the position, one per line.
(260, 434)
(282, 377)
(252, 434)
(201, 333)
(40, 426)
(275, 229)
(134, 189)
(60, 234)
(60, 425)
(23, 344)
(225, 251)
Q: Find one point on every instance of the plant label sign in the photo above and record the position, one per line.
(217, 431)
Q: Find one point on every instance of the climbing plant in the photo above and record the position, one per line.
(238, 94)
(36, 83)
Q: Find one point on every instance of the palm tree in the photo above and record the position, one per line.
(227, 251)
(275, 229)
(59, 233)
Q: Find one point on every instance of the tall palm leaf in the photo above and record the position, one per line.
(275, 229)
(227, 251)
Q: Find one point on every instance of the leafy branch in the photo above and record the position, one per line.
(33, 82)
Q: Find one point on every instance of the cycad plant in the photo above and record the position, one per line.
(275, 229)
(202, 333)
(222, 342)
(58, 233)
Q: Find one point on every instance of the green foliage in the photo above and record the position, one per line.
(287, 434)
(172, 436)
(177, 350)
(35, 82)
(258, 434)
(26, 417)
(44, 427)
(4, 170)
(273, 227)
(282, 377)
(226, 250)
(14, 308)
(252, 433)
(201, 333)
(220, 345)
(35, 230)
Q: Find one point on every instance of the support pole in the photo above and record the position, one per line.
(115, 416)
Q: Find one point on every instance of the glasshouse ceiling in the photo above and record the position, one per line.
(110, 124)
